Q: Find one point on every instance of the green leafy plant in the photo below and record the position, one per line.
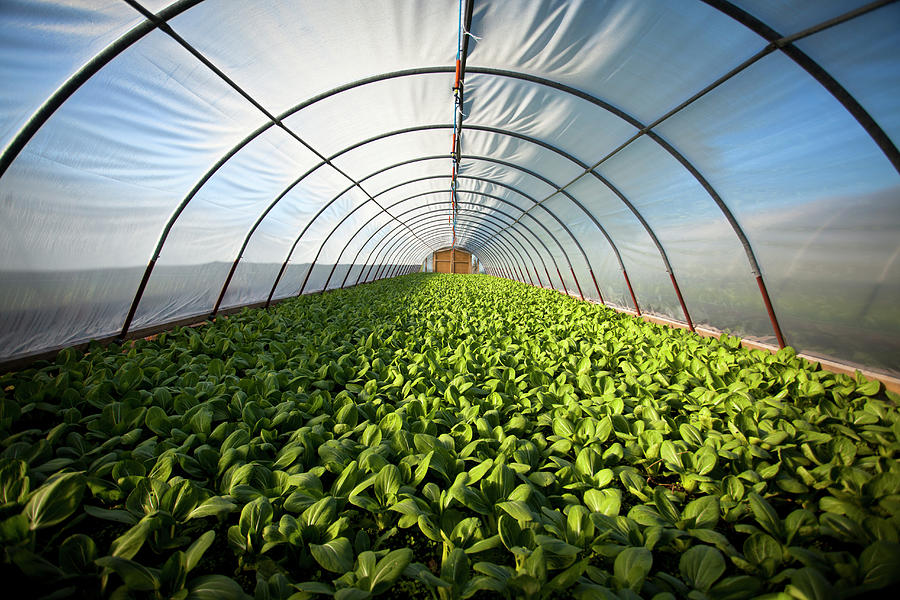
(445, 437)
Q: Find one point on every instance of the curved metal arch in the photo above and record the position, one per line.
(409, 253)
(374, 216)
(365, 262)
(543, 179)
(445, 126)
(328, 161)
(104, 57)
(489, 266)
(410, 210)
(540, 257)
(159, 21)
(436, 227)
(535, 219)
(437, 237)
(480, 236)
(432, 233)
(287, 260)
(430, 215)
(465, 218)
(814, 69)
(546, 181)
(292, 185)
(564, 155)
(469, 249)
(499, 199)
(402, 261)
(473, 231)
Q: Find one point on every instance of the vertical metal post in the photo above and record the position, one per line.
(597, 287)
(684, 309)
(768, 302)
(576, 283)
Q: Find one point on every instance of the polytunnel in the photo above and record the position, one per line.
(673, 374)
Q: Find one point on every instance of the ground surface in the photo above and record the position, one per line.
(450, 437)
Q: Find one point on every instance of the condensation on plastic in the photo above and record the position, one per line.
(817, 199)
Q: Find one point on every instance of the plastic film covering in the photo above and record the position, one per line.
(50, 41)
(791, 16)
(818, 202)
(210, 231)
(707, 259)
(297, 147)
(861, 55)
(93, 189)
(645, 57)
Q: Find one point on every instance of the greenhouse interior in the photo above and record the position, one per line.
(447, 299)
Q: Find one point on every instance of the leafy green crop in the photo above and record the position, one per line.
(445, 437)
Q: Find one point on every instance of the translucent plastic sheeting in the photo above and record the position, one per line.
(563, 120)
(641, 259)
(791, 16)
(93, 189)
(521, 180)
(399, 148)
(520, 152)
(335, 233)
(309, 48)
(210, 231)
(43, 43)
(372, 109)
(644, 56)
(862, 55)
(789, 161)
(318, 232)
(706, 255)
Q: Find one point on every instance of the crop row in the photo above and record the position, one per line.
(447, 437)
